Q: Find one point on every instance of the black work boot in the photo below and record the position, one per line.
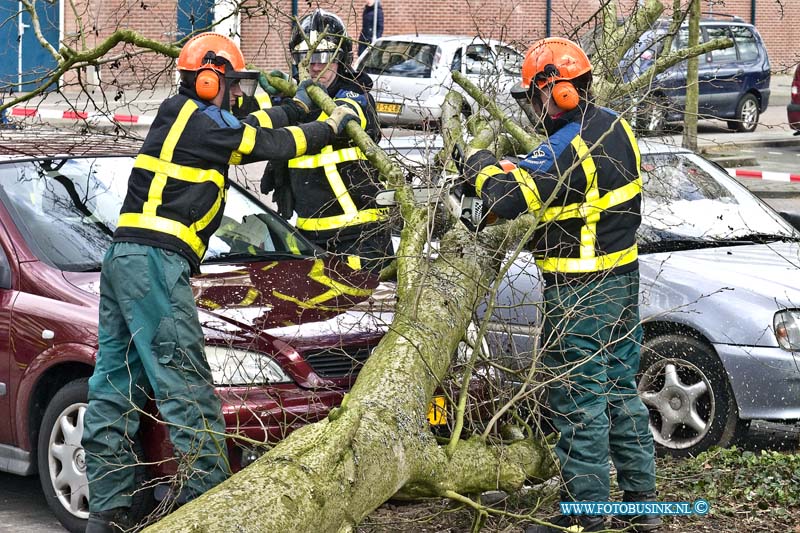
(110, 521)
(642, 523)
(577, 524)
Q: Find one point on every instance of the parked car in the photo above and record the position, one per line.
(793, 108)
(719, 304)
(284, 331)
(733, 82)
(411, 74)
(719, 293)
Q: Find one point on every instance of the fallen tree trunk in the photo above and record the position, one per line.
(328, 476)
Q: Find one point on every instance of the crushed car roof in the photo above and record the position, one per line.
(16, 144)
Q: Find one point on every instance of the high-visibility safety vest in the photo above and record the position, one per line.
(584, 186)
(330, 161)
(177, 188)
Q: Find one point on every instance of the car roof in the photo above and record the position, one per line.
(647, 147)
(438, 38)
(34, 143)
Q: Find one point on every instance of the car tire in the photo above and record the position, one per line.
(686, 390)
(747, 114)
(61, 460)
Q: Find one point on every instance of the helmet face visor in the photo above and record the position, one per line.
(247, 80)
(316, 57)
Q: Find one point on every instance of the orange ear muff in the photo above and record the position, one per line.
(206, 84)
(565, 95)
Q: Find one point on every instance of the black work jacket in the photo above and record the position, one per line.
(584, 183)
(321, 212)
(177, 188)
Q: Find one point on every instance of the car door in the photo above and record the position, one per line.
(7, 296)
(720, 77)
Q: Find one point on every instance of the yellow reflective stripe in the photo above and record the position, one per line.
(327, 158)
(337, 186)
(164, 225)
(263, 119)
(592, 194)
(156, 191)
(529, 190)
(299, 140)
(341, 221)
(176, 130)
(246, 145)
(336, 288)
(354, 262)
(484, 174)
(264, 101)
(179, 172)
(634, 144)
(208, 304)
(524, 180)
(301, 303)
(251, 296)
(269, 266)
(291, 242)
(357, 108)
(585, 265)
(206, 219)
(317, 273)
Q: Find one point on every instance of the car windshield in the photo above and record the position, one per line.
(67, 211)
(401, 58)
(687, 198)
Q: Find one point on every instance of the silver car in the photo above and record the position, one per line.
(412, 74)
(719, 302)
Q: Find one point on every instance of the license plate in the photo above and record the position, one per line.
(384, 107)
(437, 412)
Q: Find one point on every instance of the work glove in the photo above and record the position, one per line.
(302, 98)
(276, 180)
(340, 117)
(263, 81)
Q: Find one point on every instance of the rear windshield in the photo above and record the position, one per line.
(401, 58)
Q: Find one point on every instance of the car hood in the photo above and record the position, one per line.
(770, 270)
(269, 295)
(722, 283)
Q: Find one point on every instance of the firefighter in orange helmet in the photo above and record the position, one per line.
(584, 187)
(150, 337)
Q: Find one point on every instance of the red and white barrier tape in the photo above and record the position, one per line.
(31, 112)
(764, 175)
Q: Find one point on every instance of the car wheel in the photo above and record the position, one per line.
(747, 113)
(62, 462)
(686, 390)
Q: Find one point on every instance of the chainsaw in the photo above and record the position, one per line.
(465, 207)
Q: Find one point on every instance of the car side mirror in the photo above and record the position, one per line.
(791, 218)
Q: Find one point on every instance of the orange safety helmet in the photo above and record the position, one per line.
(211, 55)
(554, 61)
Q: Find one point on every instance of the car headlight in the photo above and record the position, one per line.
(232, 366)
(787, 329)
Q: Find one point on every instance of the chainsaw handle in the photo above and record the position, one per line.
(458, 158)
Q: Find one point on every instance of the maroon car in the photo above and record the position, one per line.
(283, 337)
(793, 109)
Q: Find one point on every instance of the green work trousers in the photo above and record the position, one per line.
(151, 342)
(592, 337)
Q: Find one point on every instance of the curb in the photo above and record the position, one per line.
(95, 117)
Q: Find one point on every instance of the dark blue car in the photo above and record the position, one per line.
(733, 82)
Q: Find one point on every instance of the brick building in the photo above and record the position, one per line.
(263, 26)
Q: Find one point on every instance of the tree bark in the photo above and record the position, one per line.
(330, 475)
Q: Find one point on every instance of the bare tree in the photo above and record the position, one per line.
(330, 475)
